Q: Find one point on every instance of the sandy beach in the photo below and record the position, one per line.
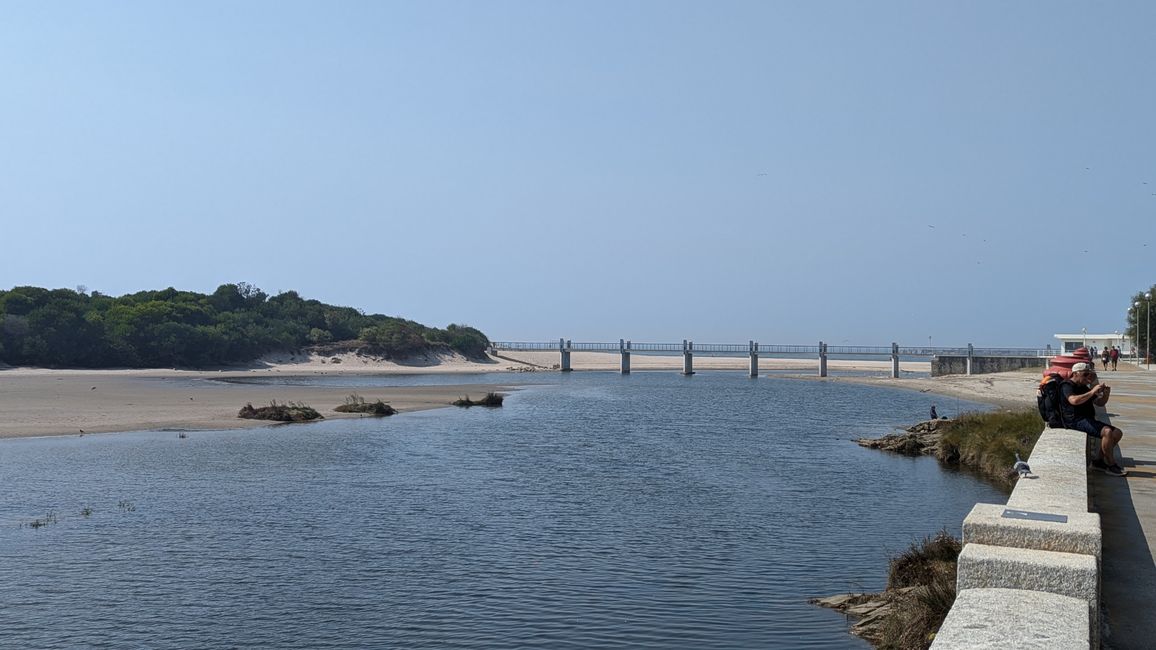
(42, 402)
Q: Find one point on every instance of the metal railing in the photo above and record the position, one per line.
(768, 349)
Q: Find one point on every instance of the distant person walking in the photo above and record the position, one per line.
(934, 415)
(1105, 357)
(1114, 356)
(1078, 407)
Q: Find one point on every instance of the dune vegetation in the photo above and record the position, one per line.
(236, 324)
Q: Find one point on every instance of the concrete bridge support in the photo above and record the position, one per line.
(687, 357)
(624, 349)
(822, 359)
(970, 356)
(894, 360)
(754, 359)
(564, 348)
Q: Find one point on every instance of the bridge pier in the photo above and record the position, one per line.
(687, 357)
(754, 358)
(624, 348)
(970, 356)
(894, 360)
(822, 359)
(564, 348)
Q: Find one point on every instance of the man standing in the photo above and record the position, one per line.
(1114, 356)
(1078, 405)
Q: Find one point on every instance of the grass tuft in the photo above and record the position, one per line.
(923, 561)
(287, 412)
(988, 442)
(49, 518)
(921, 582)
(356, 404)
(491, 400)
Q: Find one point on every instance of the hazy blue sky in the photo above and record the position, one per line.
(860, 172)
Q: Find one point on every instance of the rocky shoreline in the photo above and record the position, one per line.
(921, 439)
(869, 610)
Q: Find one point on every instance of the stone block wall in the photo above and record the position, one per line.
(1029, 573)
(950, 365)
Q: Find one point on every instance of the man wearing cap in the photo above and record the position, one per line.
(1078, 407)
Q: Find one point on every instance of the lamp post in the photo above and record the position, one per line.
(1148, 331)
(1136, 332)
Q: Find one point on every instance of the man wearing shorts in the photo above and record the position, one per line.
(1078, 405)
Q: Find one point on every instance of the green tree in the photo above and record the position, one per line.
(236, 323)
(1139, 329)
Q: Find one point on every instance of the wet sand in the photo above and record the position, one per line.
(41, 402)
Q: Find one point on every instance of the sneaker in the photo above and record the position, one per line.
(1115, 470)
(1098, 465)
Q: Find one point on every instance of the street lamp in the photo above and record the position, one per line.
(1136, 332)
(1148, 331)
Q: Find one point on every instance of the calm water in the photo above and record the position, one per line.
(600, 510)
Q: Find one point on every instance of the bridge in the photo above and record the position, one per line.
(753, 349)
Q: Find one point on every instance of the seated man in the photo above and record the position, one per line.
(1078, 404)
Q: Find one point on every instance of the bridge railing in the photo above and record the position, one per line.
(770, 349)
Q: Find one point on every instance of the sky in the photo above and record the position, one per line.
(788, 172)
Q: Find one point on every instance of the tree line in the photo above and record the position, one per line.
(1139, 313)
(237, 323)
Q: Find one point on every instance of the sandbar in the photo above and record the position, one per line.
(46, 402)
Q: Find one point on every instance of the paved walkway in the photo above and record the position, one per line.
(1127, 510)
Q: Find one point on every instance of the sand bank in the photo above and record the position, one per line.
(41, 402)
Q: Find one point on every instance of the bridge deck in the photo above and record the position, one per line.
(740, 349)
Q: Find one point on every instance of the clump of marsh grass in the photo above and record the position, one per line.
(988, 442)
(491, 400)
(49, 518)
(356, 404)
(287, 412)
(921, 588)
(923, 561)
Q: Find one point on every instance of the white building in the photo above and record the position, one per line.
(1069, 342)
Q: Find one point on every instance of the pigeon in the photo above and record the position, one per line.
(1021, 467)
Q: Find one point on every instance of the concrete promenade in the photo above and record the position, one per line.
(1068, 561)
(1127, 508)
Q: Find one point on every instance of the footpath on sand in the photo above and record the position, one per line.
(1127, 508)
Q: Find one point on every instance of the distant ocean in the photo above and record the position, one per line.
(594, 510)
